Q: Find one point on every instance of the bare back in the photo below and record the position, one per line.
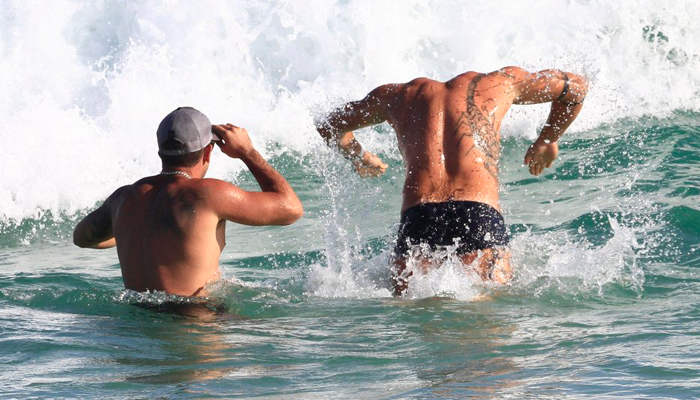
(169, 237)
(448, 135)
(169, 229)
(448, 132)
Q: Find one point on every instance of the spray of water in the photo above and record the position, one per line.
(85, 84)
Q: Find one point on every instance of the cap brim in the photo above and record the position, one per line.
(215, 137)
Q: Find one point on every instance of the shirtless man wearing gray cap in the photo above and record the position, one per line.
(169, 229)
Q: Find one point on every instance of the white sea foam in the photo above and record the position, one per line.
(566, 264)
(542, 263)
(84, 84)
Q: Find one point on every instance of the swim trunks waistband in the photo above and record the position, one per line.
(476, 226)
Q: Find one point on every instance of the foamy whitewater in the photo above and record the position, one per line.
(85, 84)
(605, 244)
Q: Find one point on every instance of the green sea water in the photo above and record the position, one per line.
(604, 301)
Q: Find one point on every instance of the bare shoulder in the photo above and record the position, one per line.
(198, 194)
(469, 75)
(417, 81)
(419, 86)
(511, 73)
(217, 189)
(463, 78)
(119, 194)
(386, 92)
(505, 74)
(213, 183)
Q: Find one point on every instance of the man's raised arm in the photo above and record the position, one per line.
(566, 91)
(337, 129)
(277, 204)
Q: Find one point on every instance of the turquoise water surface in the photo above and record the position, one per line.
(604, 300)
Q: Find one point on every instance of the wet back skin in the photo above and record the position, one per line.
(169, 237)
(169, 229)
(448, 137)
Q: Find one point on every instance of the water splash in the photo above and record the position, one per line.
(448, 276)
(116, 68)
(347, 271)
(555, 261)
(552, 263)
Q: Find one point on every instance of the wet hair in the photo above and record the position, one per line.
(182, 160)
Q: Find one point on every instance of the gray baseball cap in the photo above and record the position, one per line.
(187, 126)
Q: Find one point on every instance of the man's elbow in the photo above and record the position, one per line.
(79, 239)
(579, 85)
(293, 210)
(326, 133)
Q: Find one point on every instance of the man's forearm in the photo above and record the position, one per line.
(566, 107)
(268, 178)
(349, 147)
(107, 244)
(561, 116)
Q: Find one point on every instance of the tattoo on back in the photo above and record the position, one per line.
(177, 214)
(473, 123)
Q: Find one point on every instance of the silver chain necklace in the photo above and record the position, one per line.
(185, 174)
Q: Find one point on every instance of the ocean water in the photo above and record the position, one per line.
(605, 300)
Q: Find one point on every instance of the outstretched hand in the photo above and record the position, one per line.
(370, 165)
(234, 142)
(541, 155)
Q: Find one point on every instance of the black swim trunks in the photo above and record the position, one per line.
(478, 226)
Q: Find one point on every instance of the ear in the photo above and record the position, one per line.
(206, 157)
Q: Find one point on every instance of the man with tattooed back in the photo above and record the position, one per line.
(448, 135)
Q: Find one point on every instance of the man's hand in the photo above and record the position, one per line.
(541, 155)
(234, 142)
(277, 204)
(369, 165)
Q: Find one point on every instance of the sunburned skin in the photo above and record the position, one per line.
(452, 152)
(169, 229)
(166, 223)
